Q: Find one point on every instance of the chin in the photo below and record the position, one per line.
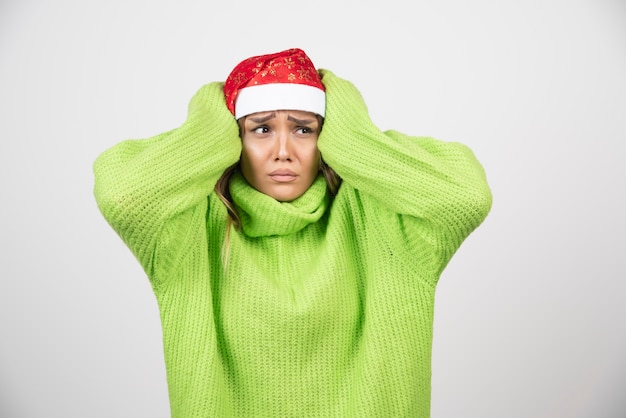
(284, 197)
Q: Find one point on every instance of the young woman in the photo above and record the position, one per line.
(293, 247)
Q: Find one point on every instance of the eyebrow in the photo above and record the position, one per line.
(300, 121)
(272, 115)
(263, 118)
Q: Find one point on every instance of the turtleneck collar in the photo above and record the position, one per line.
(262, 215)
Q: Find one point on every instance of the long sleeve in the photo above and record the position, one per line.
(439, 185)
(140, 185)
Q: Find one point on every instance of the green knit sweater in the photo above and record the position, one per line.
(324, 307)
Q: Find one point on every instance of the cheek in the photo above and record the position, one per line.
(251, 150)
(253, 153)
(313, 161)
(249, 161)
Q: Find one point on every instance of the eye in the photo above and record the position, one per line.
(262, 129)
(304, 130)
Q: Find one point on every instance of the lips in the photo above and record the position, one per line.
(283, 175)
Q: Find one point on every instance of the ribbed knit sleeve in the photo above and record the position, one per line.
(439, 185)
(142, 184)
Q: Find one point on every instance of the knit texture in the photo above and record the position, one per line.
(324, 307)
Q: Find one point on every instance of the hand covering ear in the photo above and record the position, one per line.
(345, 108)
(208, 106)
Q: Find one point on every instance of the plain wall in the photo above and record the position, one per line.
(530, 314)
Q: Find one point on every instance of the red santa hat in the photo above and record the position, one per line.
(283, 80)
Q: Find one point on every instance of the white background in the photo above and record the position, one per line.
(530, 314)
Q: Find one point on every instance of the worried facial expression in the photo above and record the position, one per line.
(279, 152)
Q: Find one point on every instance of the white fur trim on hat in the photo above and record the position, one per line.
(280, 96)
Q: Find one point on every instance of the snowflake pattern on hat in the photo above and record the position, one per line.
(291, 66)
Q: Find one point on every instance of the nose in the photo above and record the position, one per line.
(283, 151)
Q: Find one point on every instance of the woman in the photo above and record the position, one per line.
(294, 265)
